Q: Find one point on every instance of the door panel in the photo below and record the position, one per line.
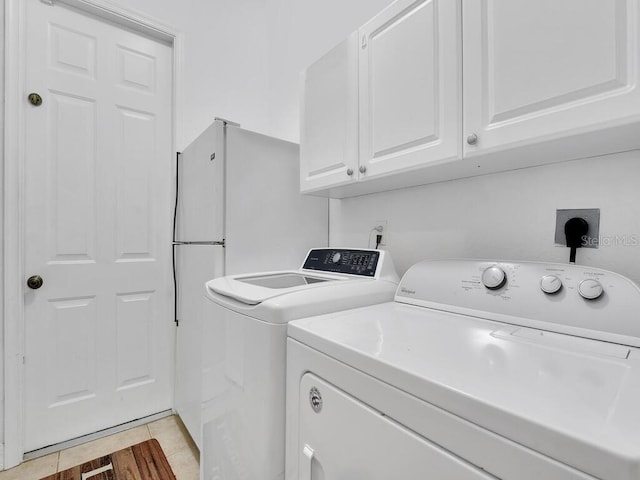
(73, 369)
(71, 198)
(135, 330)
(98, 162)
(134, 155)
(390, 56)
(409, 86)
(329, 116)
(537, 70)
(72, 51)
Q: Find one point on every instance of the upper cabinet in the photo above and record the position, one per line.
(409, 87)
(539, 70)
(329, 119)
(544, 81)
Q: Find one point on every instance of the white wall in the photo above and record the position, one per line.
(508, 215)
(243, 58)
(225, 60)
(300, 32)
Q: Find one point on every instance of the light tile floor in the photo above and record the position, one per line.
(176, 443)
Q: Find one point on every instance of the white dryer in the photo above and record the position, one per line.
(477, 370)
(244, 343)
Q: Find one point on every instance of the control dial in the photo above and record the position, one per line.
(590, 289)
(494, 278)
(550, 284)
(335, 258)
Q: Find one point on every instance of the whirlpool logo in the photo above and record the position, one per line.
(407, 291)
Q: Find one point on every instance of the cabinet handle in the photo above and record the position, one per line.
(364, 42)
(349, 171)
(362, 168)
(472, 139)
(307, 455)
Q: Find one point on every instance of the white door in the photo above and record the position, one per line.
(329, 133)
(98, 333)
(410, 86)
(539, 70)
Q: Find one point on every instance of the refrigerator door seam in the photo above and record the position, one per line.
(217, 243)
(227, 122)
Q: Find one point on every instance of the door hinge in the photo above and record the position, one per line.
(47, 2)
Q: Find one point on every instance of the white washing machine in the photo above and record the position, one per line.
(244, 345)
(477, 370)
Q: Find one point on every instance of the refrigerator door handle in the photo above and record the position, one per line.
(175, 205)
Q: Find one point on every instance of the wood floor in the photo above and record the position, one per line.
(144, 461)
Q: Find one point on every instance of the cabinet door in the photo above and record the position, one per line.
(410, 86)
(329, 134)
(541, 70)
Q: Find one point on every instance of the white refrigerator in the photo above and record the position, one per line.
(238, 209)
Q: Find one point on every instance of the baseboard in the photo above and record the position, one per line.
(94, 436)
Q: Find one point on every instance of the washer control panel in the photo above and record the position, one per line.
(566, 298)
(354, 262)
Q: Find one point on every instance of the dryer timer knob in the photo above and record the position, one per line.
(550, 284)
(590, 289)
(494, 278)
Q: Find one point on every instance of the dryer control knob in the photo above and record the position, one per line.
(550, 284)
(590, 289)
(335, 258)
(494, 278)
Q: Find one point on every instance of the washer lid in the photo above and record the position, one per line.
(572, 399)
(282, 280)
(252, 289)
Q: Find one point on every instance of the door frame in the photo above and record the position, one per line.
(12, 202)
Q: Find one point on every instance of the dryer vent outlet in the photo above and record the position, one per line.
(590, 215)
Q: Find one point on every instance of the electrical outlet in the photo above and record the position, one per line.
(384, 232)
(591, 215)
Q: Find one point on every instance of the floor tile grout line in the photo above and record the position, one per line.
(183, 447)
